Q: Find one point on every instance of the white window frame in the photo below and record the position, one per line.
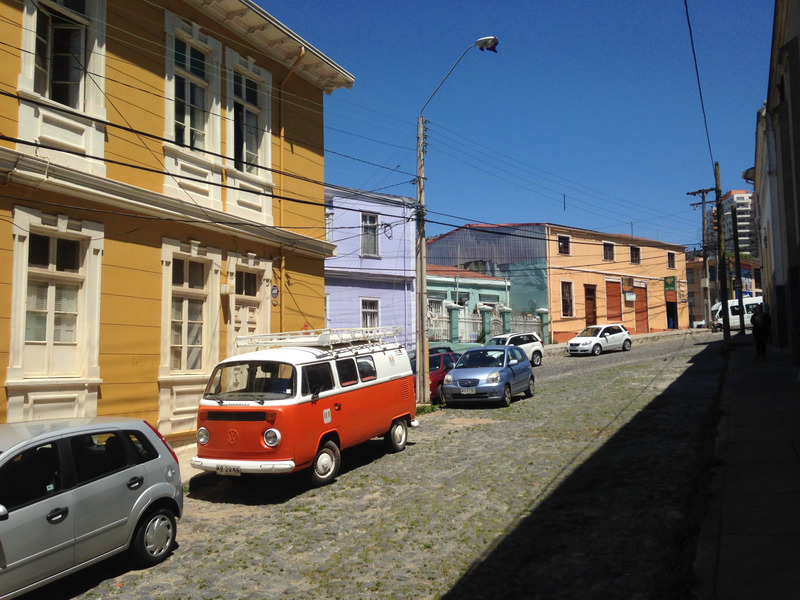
(568, 241)
(44, 395)
(571, 285)
(197, 174)
(377, 226)
(613, 251)
(249, 195)
(180, 391)
(72, 135)
(248, 314)
(364, 311)
(672, 258)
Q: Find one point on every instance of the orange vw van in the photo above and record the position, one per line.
(301, 398)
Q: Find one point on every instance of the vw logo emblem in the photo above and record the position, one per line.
(232, 436)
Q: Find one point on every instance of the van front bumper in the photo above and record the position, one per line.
(236, 467)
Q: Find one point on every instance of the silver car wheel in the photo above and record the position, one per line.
(158, 536)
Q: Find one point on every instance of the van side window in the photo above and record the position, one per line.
(346, 369)
(366, 368)
(317, 378)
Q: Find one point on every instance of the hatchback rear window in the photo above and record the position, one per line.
(144, 449)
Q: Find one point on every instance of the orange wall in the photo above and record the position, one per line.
(585, 266)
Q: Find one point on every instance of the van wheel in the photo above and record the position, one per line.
(597, 350)
(154, 537)
(626, 345)
(326, 464)
(397, 436)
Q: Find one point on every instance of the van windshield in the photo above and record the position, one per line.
(253, 380)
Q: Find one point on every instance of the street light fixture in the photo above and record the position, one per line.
(423, 387)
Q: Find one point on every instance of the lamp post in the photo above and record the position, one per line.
(423, 387)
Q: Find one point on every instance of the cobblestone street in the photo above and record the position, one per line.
(586, 490)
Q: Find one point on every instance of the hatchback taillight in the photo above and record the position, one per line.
(166, 443)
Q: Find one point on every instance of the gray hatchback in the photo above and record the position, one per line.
(76, 491)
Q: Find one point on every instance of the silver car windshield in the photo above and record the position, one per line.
(256, 380)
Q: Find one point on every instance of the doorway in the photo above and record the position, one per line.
(590, 293)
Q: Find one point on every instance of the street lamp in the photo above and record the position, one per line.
(423, 387)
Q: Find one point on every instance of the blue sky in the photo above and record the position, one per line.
(590, 105)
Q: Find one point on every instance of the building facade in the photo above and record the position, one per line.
(776, 175)
(575, 277)
(162, 168)
(370, 282)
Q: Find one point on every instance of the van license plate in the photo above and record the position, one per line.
(234, 470)
(467, 391)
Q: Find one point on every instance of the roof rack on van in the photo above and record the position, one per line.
(327, 338)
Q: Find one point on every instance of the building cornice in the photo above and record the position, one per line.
(38, 173)
(263, 31)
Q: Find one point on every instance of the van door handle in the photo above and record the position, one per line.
(134, 483)
(337, 406)
(57, 515)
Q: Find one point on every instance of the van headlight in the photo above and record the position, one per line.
(272, 437)
(202, 436)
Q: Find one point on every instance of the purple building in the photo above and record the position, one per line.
(371, 280)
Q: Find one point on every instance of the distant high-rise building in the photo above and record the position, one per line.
(745, 223)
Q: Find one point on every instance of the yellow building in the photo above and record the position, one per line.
(161, 168)
(611, 278)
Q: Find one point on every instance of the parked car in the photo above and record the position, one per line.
(439, 364)
(597, 339)
(489, 373)
(530, 343)
(76, 491)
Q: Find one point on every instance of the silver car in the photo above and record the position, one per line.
(75, 491)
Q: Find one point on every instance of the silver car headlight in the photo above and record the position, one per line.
(272, 437)
(202, 436)
(448, 379)
(493, 378)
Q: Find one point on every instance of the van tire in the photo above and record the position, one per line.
(326, 463)
(397, 436)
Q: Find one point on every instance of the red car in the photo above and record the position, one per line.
(439, 364)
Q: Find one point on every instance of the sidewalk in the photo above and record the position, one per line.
(749, 545)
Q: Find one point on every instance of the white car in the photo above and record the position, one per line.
(597, 339)
(530, 343)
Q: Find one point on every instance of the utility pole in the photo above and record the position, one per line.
(722, 271)
(704, 286)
